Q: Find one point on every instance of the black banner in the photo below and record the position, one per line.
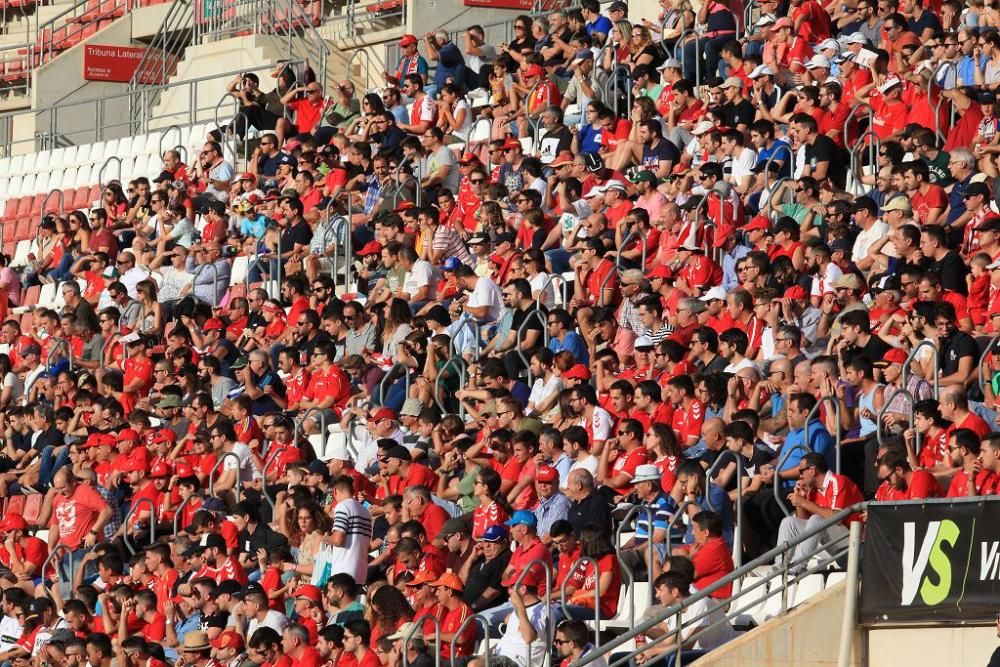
(932, 561)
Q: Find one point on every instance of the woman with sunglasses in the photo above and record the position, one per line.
(114, 201)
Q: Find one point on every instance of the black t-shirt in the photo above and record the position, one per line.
(952, 270)
(741, 113)
(535, 323)
(663, 151)
(52, 437)
(487, 574)
(263, 538)
(300, 233)
(953, 349)
(556, 140)
(217, 620)
(926, 20)
(268, 166)
(873, 350)
(592, 510)
(824, 150)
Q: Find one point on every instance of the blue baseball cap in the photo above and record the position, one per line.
(523, 517)
(494, 534)
(451, 264)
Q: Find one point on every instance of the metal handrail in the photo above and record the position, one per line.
(368, 63)
(45, 203)
(463, 365)
(612, 82)
(982, 361)
(215, 281)
(239, 481)
(549, 629)
(53, 348)
(738, 528)
(911, 401)
(836, 435)
(177, 512)
(679, 515)
(650, 516)
(268, 460)
(389, 375)
(100, 172)
(458, 633)
(48, 561)
(152, 522)
(785, 146)
(853, 112)
(552, 277)
(782, 459)
(536, 123)
(937, 365)
(467, 322)
(302, 417)
(733, 577)
(873, 147)
(166, 133)
(634, 232)
(400, 183)
(943, 65)
(679, 44)
(583, 560)
(537, 315)
(418, 624)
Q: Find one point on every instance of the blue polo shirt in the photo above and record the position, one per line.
(573, 343)
(820, 442)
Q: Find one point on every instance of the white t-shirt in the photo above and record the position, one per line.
(541, 390)
(273, 619)
(866, 238)
(820, 287)
(10, 632)
(351, 518)
(549, 298)
(487, 293)
(421, 274)
(711, 639)
(171, 282)
(743, 164)
(246, 462)
(512, 644)
(588, 463)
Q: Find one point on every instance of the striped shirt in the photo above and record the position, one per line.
(355, 522)
(448, 240)
(663, 508)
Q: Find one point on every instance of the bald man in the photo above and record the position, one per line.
(779, 379)
(713, 434)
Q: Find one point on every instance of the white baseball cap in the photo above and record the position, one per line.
(817, 61)
(717, 293)
(761, 70)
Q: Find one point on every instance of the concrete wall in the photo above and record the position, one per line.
(939, 645)
(808, 636)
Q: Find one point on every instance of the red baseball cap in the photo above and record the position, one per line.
(93, 440)
(309, 592)
(564, 157)
(384, 413)
(183, 470)
(422, 577)
(133, 465)
(760, 222)
(511, 143)
(128, 434)
(160, 469)
(408, 40)
(13, 522)
(660, 271)
(893, 356)
(247, 176)
(578, 372)
(165, 435)
(534, 70)
(212, 324)
(228, 639)
(795, 293)
(468, 158)
(371, 248)
(546, 474)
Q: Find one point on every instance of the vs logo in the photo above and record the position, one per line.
(935, 549)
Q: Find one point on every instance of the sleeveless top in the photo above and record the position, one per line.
(867, 401)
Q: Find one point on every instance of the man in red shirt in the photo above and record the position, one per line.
(818, 495)
(79, 513)
(21, 553)
(964, 448)
(688, 412)
(295, 645)
(219, 566)
(308, 110)
(165, 576)
(927, 199)
(711, 556)
(403, 472)
(523, 531)
(449, 594)
(138, 370)
(357, 638)
(617, 475)
(900, 482)
(417, 505)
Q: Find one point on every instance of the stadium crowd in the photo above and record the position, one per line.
(695, 256)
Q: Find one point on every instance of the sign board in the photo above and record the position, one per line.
(520, 5)
(111, 63)
(931, 561)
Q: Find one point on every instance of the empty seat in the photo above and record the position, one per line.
(835, 578)
(21, 251)
(239, 270)
(809, 586)
(47, 296)
(16, 505)
(33, 508)
(10, 210)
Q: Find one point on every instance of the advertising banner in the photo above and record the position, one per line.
(931, 561)
(111, 63)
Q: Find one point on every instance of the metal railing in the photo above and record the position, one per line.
(390, 377)
(549, 627)
(268, 460)
(880, 418)
(418, 624)
(679, 44)
(179, 511)
(152, 522)
(584, 560)
(873, 146)
(472, 323)
(611, 87)
(650, 516)
(239, 479)
(54, 346)
(535, 123)
(738, 526)
(59, 548)
(160, 58)
(851, 118)
(790, 572)
(540, 316)
(458, 633)
(778, 481)
(982, 362)
(439, 381)
(678, 516)
(937, 365)
(321, 417)
(836, 434)
(215, 281)
(944, 65)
